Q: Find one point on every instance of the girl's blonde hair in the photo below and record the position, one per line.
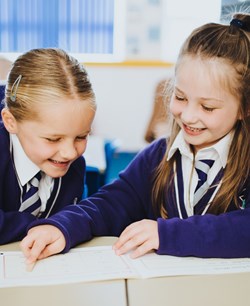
(43, 76)
(231, 45)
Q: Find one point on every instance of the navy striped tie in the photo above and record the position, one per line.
(30, 200)
(202, 167)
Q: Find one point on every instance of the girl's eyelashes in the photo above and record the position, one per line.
(82, 137)
(180, 98)
(208, 109)
(53, 140)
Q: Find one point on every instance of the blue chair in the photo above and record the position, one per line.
(92, 181)
(110, 147)
(94, 177)
(119, 162)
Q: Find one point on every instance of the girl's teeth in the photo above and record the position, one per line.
(194, 129)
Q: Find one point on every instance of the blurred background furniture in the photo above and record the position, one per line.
(104, 161)
(98, 156)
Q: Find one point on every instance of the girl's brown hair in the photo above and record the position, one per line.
(42, 76)
(231, 45)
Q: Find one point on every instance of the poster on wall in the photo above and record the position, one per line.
(156, 29)
(144, 18)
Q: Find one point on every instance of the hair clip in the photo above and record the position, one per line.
(239, 24)
(14, 88)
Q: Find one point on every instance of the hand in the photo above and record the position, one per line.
(142, 236)
(41, 242)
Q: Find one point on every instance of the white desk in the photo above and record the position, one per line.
(104, 293)
(207, 290)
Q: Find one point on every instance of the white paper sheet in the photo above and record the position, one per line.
(101, 263)
(79, 265)
(153, 265)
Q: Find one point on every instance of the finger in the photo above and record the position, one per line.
(30, 266)
(26, 245)
(35, 251)
(52, 249)
(131, 244)
(122, 242)
(141, 250)
(126, 235)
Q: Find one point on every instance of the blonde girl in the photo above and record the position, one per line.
(48, 110)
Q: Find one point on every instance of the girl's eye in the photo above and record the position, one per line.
(82, 137)
(208, 109)
(53, 140)
(179, 98)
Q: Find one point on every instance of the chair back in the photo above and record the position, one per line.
(92, 181)
(110, 147)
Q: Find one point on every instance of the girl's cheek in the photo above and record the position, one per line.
(81, 148)
(174, 109)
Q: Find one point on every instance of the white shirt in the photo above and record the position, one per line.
(26, 170)
(218, 152)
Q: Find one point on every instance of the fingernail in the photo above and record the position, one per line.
(117, 252)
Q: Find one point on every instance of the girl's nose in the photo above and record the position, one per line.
(68, 151)
(189, 114)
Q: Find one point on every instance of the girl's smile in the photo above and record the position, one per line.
(60, 164)
(191, 130)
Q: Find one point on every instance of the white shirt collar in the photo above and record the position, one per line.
(25, 168)
(218, 150)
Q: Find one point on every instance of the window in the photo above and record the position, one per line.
(85, 28)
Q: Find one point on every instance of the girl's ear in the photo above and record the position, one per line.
(9, 121)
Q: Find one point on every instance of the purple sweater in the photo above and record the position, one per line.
(128, 199)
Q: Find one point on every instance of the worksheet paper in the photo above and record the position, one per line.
(101, 263)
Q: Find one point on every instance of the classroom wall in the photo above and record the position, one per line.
(155, 31)
(124, 101)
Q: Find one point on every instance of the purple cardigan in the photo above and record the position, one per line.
(128, 199)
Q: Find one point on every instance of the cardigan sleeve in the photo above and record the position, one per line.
(225, 236)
